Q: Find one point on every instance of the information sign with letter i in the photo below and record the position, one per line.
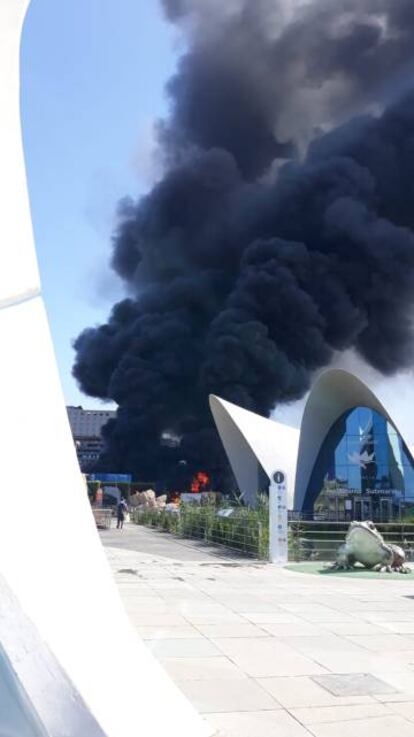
(278, 519)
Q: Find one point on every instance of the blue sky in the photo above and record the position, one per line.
(92, 84)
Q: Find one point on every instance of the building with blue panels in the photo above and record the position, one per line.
(364, 470)
(350, 459)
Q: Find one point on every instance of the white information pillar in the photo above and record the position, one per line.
(278, 519)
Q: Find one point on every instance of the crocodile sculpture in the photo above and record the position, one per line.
(365, 545)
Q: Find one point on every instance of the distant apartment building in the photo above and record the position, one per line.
(86, 426)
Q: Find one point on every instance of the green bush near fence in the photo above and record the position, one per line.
(246, 530)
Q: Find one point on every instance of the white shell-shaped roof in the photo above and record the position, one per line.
(336, 392)
(249, 440)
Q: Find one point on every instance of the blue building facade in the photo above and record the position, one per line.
(363, 470)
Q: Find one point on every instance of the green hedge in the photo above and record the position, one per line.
(246, 530)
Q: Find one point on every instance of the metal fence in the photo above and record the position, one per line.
(103, 518)
(247, 531)
(312, 540)
(243, 531)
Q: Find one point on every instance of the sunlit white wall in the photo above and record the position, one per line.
(50, 554)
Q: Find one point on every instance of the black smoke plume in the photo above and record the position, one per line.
(281, 232)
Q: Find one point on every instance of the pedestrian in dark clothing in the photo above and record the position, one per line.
(121, 511)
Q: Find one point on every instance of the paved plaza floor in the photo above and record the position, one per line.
(268, 652)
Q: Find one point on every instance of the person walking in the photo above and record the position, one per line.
(121, 510)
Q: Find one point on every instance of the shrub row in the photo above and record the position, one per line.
(245, 531)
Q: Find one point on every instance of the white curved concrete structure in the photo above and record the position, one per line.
(65, 638)
(19, 276)
(251, 440)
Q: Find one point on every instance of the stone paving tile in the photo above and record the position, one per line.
(382, 643)
(222, 617)
(149, 632)
(175, 584)
(401, 628)
(394, 698)
(137, 594)
(324, 614)
(399, 677)
(249, 602)
(201, 669)
(231, 630)
(275, 631)
(323, 714)
(313, 646)
(405, 709)
(337, 655)
(181, 597)
(182, 648)
(200, 607)
(138, 539)
(155, 619)
(228, 696)
(260, 724)
(388, 726)
(398, 606)
(381, 617)
(296, 629)
(147, 604)
(354, 684)
(275, 617)
(403, 657)
(355, 628)
(352, 662)
(262, 658)
(304, 691)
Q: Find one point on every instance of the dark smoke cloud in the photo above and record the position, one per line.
(244, 284)
(259, 78)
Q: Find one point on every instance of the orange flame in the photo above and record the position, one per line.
(200, 482)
